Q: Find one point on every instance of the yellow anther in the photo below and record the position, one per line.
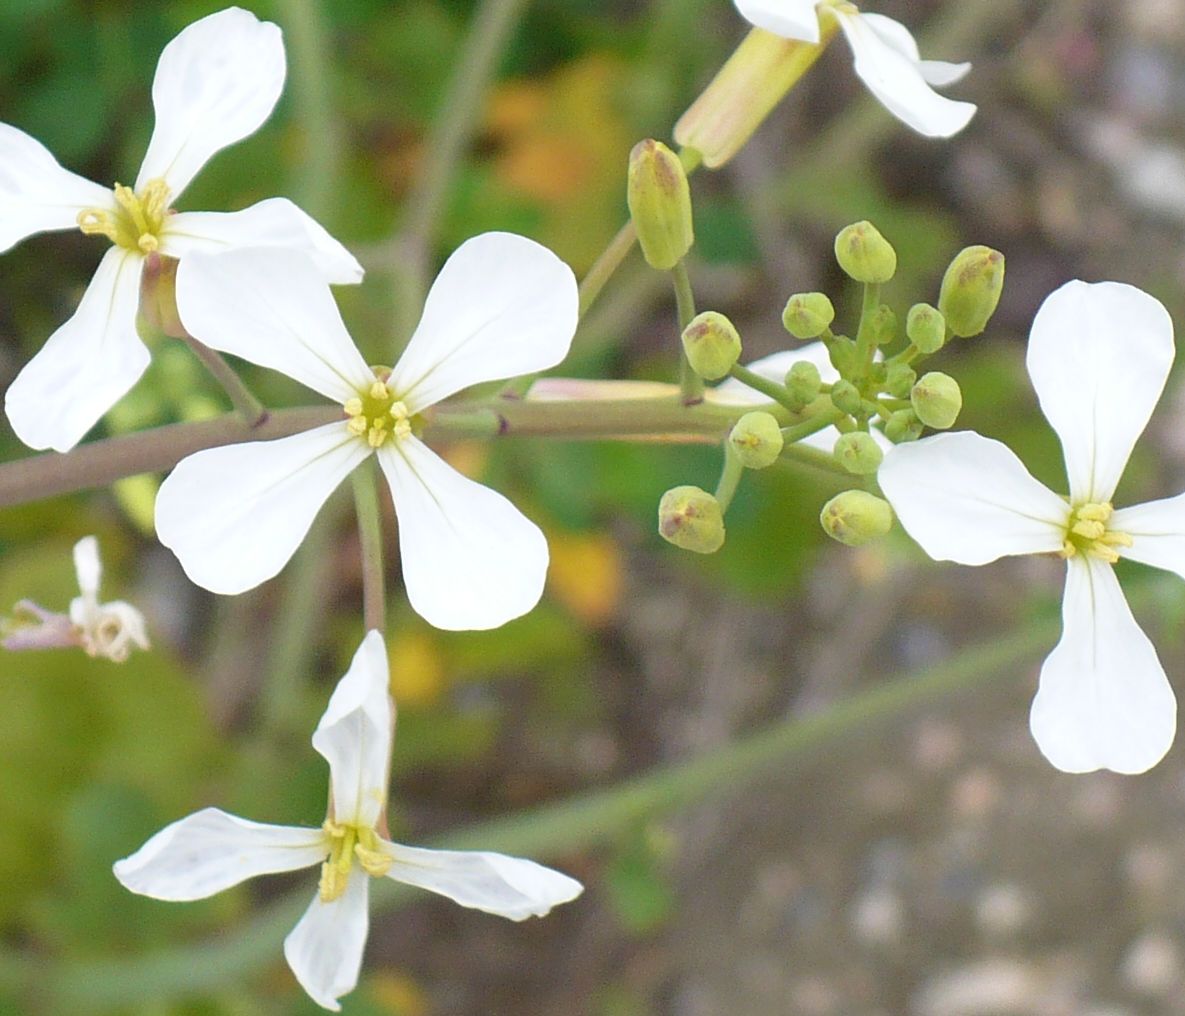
(1087, 533)
(371, 855)
(375, 414)
(1089, 529)
(335, 872)
(1098, 511)
(136, 220)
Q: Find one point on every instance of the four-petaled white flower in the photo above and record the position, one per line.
(215, 84)
(1098, 356)
(886, 59)
(502, 306)
(212, 850)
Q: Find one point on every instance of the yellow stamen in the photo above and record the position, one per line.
(136, 221)
(375, 414)
(1087, 533)
(348, 842)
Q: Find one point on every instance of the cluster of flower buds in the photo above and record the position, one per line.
(842, 401)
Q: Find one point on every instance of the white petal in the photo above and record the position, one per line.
(354, 736)
(1157, 530)
(276, 222)
(270, 306)
(968, 499)
(791, 19)
(897, 81)
(1099, 356)
(234, 515)
(507, 886)
(325, 948)
(87, 566)
(1103, 700)
(36, 193)
(501, 306)
(87, 365)
(210, 850)
(897, 36)
(471, 560)
(216, 83)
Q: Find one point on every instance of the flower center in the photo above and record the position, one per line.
(376, 414)
(136, 221)
(348, 842)
(1087, 533)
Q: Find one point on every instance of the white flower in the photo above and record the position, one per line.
(211, 850)
(215, 84)
(1098, 356)
(886, 60)
(775, 367)
(111, 629)
(501, 306)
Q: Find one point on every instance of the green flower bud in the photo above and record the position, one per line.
(803, 382)
(845, 397)
(712, 345)
(858, 453)
(900, 379)
(864, 254)
(808, 315)
(903, 426)
(660, 204)
(757, 440)
(971, 289)
(691, 518)
(926, 328)
(937, 400)
(855, 517)
(883, 326)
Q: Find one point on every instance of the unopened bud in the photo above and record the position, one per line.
(691, 518)
(803, 382)
(937, 400)
(903, 426)
(660, 204)
(712, 345)
(757, 440)
(926, 328)
(808, 315)
(858, 453)
(971, 289)
(846, 397)
(864, 254)
(855, 517)
(900, 379)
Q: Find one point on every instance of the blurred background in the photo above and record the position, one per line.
(923, 861)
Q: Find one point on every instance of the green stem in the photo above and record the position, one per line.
(767, 387)
(865, 346)
(370, 536)
(580, 823)
(816, 457)
(691, 385)
(316, 187)
(605, 265)
(797, 431)
(100, 463)
(730, 477)
(253, 412)
(458, 115)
